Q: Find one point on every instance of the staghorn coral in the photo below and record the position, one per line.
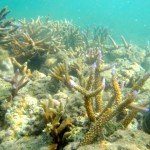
(95, 37)
(61, 72)
(109, 114)
(24, 68)
(7, 27)
(116, 88)
(37, 36)
(103, 105)
(73, 38)
(56, 125)
(110, 110)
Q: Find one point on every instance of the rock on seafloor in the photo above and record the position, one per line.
(120, 140)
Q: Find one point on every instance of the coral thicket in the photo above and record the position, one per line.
(71, 84)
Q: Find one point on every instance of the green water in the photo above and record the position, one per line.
(130, 18)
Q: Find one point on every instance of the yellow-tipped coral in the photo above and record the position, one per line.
(129, 118)
(98, 97)
(56, 126)
(94, 131)
(92, 93)
(116, 88)
(24, 68)
(104, 118)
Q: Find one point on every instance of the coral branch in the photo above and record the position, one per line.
(16, 83)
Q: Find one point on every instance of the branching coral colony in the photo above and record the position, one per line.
(56, 126)
(26, 39)
(94, 88)
(7, 27)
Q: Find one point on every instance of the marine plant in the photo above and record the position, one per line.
(100, 34)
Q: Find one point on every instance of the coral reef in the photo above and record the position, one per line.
(84, 87)
(107, 113)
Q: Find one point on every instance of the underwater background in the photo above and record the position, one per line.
(123, 17)
(74, 75)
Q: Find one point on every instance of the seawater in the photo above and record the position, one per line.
(130, 18)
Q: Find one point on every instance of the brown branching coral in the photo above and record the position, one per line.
(37, 36)
(95, 37)
(116, 88)
(100, 34)
(103, 118)
(61, 73)
(73, 38)
(109, 113)
(115, 105)
(47, 38)
(56, 126)
(24, 68)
